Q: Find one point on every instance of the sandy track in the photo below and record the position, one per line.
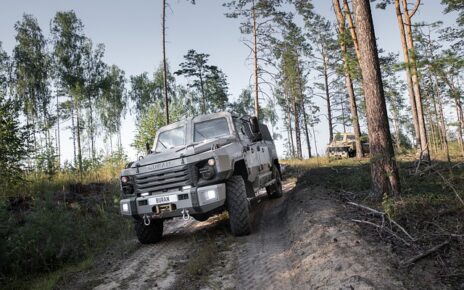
(300, 241)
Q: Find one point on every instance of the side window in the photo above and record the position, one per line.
(241, 129)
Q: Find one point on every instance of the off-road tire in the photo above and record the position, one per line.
(201, 217)
(275, 190)
(149, 234)
(237, 206)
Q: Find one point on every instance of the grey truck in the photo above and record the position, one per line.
(199, 167)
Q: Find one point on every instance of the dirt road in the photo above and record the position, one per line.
(300, 241)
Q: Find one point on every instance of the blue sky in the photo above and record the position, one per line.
(131, 32)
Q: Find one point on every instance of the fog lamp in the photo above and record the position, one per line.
(125, 207)
(211, 162)
(210, 194)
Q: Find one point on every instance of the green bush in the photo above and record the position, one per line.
(53, 234)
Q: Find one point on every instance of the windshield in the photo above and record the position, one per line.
(214, 128)
(339, 137)
(170, 139)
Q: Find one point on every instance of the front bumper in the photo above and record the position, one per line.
(338, 152)
(194, 199)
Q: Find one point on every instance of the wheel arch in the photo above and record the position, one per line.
(240, 168)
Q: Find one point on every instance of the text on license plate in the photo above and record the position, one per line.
(162, 199)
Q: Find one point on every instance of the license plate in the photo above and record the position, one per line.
(162, 199)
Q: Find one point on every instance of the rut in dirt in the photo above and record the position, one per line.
(263, 258)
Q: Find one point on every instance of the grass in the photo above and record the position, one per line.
(206, 252)
(427, 207)
(49, 281)
(51, 231)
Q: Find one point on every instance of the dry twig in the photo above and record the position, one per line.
(424, 254)
(383, 228)
(383, 216)
(450, 185)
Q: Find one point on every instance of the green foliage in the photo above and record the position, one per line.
(50, 226)
(208, 80)
(455, 5)
(113, 99)
(244, 105)
(32, 69)
(145, 91)
(152, 120)
(388, 205)
(14, 144)
(52, 235)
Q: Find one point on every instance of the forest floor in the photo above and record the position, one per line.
(308, 239)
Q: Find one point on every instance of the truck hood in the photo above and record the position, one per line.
(183, 151)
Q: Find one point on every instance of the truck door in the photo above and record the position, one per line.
(250, 149)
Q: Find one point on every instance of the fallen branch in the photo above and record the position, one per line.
(383, 229)
(424, 254)
(450, 185)
(383, 216)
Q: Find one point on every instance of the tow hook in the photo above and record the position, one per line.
(146, 220)
(185, 215)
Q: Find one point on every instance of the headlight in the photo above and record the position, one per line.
(211, 162)
(124, 179)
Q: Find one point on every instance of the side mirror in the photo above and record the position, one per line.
(254, 125)
(147, 148)
(255, 130)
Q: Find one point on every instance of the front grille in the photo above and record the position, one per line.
(163, 180)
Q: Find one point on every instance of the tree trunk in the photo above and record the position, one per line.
(296, 119)
(78, 135)
(165, 66)
(460, 122)
(442, 123)
(396, 126)
(58, 136)
(412, 99)
(327, 94)
(385, 178)
(290, 131)
(92, 132)
(354, 36)
(314, 138)
(348, 80)
(73, 129)
(203, 97)
(305, 120)
(425, 154)
(255, 59)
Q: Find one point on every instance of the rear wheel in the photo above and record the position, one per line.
(149, 234)
(237, 206)
(275, 190)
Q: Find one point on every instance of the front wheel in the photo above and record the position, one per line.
(149, 234)
(237, 206)
(275, 190)
(201, 217)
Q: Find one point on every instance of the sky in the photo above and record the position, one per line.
(131, 32)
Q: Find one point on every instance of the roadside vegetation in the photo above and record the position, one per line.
(429, 237)
(55, 225)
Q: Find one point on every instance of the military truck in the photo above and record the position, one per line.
(200, 167)
(343, 146)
